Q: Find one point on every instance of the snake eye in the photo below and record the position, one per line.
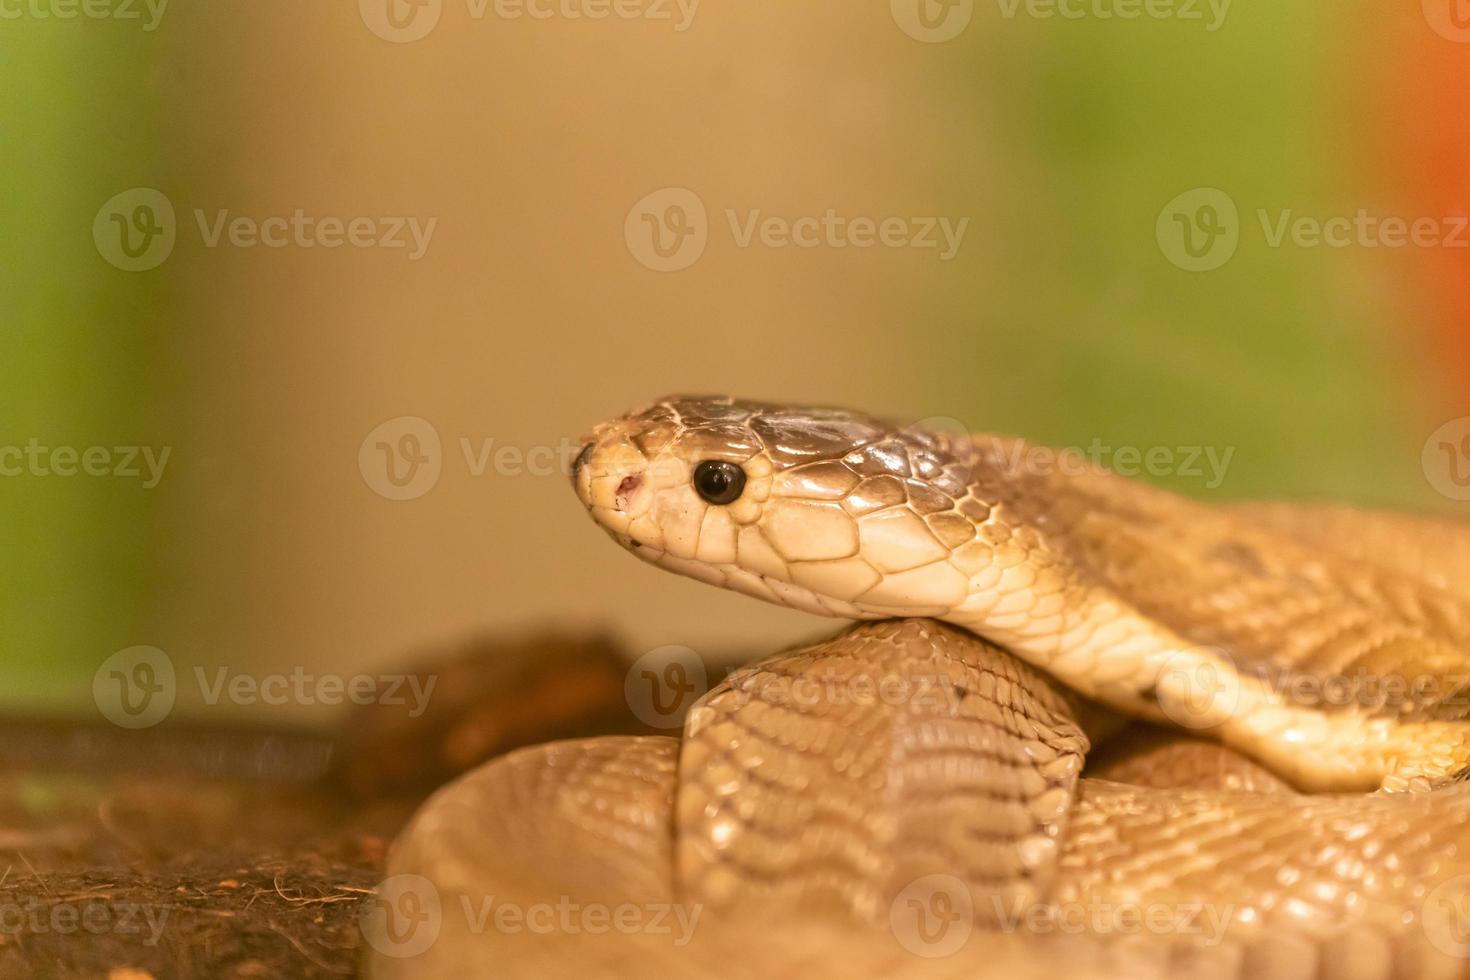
(718, 481)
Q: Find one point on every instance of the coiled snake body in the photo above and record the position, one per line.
(1296, 810)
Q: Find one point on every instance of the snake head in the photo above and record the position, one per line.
(826, 510)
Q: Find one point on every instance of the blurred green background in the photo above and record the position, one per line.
(80, 339)
(1061, 318)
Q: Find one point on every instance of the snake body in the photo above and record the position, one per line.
(1291, 650)
(1288, 658)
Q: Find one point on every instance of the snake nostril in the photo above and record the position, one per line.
(626, 489)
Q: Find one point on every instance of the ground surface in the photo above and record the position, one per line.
(134, 877)
(179, 852)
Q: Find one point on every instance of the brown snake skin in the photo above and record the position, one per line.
(908, 799)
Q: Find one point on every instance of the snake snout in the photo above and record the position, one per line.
(581, 460)
(626, 489)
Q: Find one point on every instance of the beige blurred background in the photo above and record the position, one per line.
(525, 322)
(527, 142)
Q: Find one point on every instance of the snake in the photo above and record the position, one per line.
(1080, 723)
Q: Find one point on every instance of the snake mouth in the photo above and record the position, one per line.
(645, 551)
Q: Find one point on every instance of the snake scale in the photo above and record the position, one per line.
(1269, 700)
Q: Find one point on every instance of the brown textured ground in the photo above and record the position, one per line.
(179, 852)
(137, 876)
